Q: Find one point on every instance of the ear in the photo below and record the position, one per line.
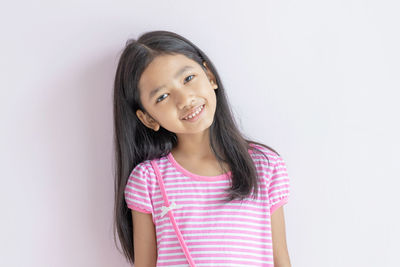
(147, 120)
(210, 76)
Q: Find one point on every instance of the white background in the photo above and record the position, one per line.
(316, 80)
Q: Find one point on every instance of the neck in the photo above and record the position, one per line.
(194, 146)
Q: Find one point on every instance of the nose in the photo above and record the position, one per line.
(185, 98)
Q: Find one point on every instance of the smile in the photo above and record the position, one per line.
(195, 115)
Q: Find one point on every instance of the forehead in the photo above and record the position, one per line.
(162, 69)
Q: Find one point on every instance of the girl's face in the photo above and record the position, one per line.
(172, 87)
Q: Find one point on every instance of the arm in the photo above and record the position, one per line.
(281, 255)
(144, 239)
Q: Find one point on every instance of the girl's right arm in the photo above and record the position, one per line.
(144, 239)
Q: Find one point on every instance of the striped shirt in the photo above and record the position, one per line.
(194, 227)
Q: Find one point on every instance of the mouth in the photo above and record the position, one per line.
(194, 115)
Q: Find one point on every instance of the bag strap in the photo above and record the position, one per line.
(168, 209)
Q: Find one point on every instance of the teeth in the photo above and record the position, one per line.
(195, 113)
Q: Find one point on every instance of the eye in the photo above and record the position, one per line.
(186, 79)
(160, 99)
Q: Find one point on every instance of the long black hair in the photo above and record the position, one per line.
(134, 142)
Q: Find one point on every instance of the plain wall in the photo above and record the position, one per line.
(316, 80)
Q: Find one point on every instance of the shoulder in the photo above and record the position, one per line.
(144, 169)
(264, 153)
(153, 167)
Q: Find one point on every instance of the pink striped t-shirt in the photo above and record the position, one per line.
(195, 227)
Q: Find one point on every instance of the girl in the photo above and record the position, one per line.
(190, 190)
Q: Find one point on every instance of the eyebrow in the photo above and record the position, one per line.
(177, 74)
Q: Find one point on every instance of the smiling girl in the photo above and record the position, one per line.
(190, 189)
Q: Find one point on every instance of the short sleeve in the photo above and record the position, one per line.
(278, 186)
(136, 192)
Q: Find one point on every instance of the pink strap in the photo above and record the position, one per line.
(171, 216)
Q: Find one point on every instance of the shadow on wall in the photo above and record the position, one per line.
(77, 115)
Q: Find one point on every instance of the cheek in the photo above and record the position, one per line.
(214, 99)
(168, 114)
(205, 88)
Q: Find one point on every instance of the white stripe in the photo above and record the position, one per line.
(242, 235)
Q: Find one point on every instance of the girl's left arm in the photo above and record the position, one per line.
(280, 251)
